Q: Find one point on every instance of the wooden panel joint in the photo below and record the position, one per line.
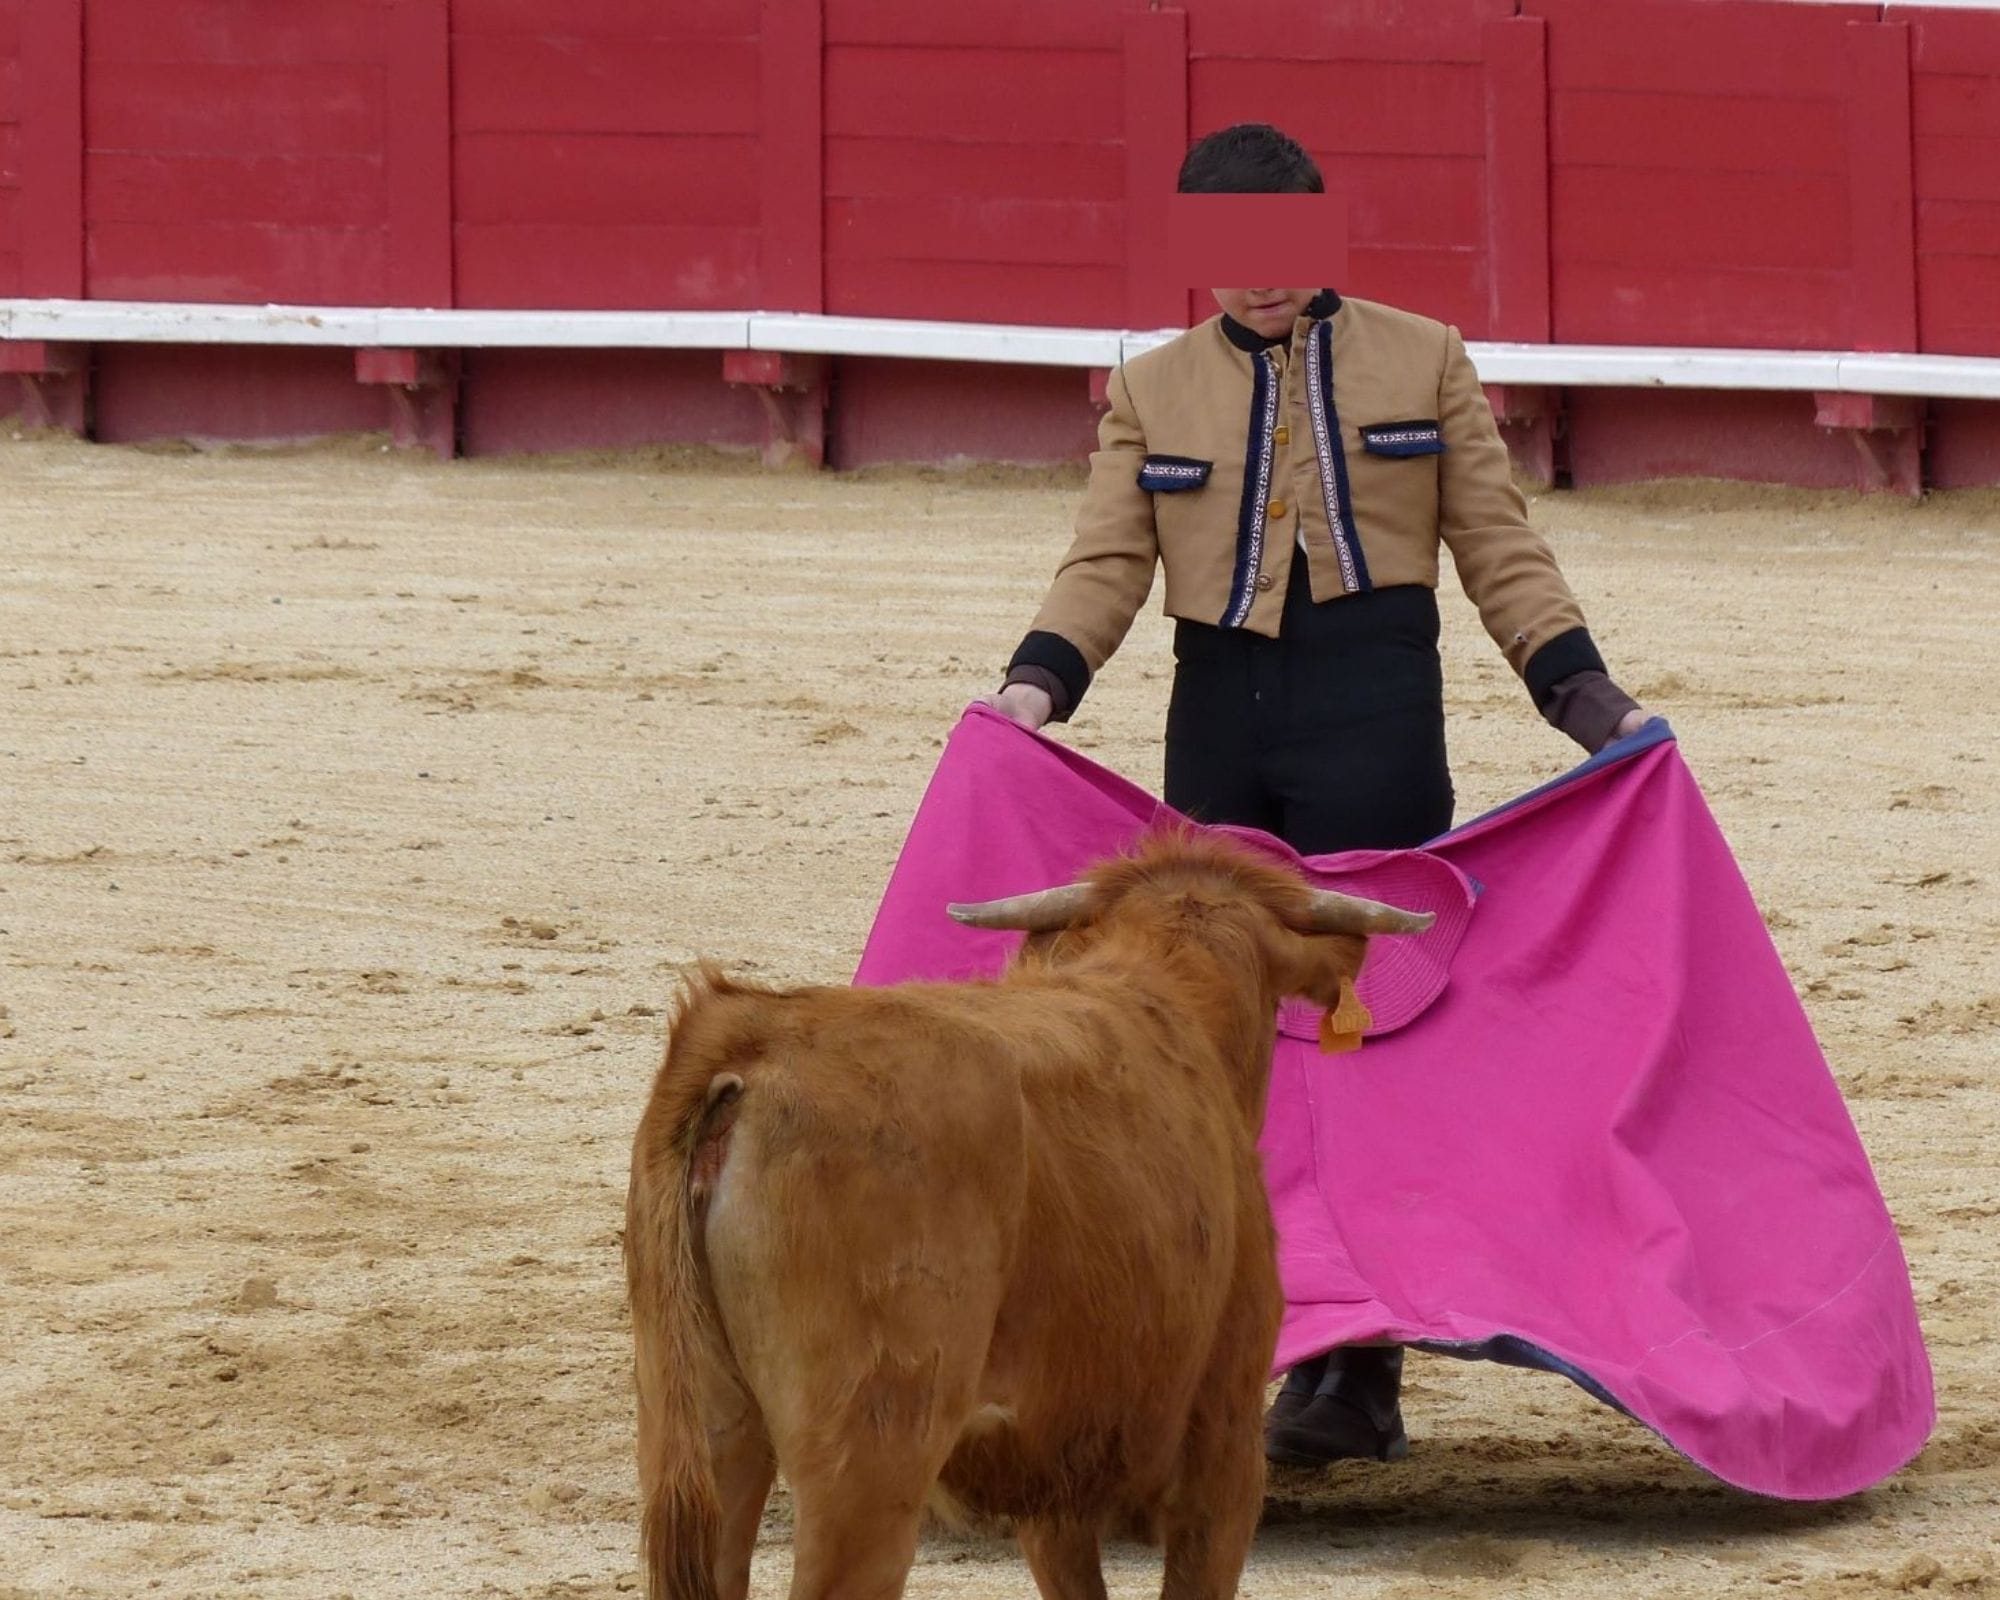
(423, 389)
(794, 391)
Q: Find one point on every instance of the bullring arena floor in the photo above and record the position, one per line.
(354, 813)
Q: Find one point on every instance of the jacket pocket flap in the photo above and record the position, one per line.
(1402, 439)
(1171, 474)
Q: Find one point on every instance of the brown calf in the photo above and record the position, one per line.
(1001, 1245)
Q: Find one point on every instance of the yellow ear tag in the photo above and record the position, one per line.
(1340, 1030)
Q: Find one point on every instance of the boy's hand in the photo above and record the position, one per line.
(1631, 722)
(1027, 705)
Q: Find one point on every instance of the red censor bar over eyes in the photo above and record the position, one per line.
(1263, 241)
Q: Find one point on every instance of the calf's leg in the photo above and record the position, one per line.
(740, 1454)
(1209, 1530)
(1064, 1558)
(855, 1532)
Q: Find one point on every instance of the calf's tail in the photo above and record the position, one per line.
(679, 1506)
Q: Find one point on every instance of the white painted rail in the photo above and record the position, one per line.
(358, 327)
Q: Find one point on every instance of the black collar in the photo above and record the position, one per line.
(1322, 305)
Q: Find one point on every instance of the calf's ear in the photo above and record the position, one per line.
(1317, 967)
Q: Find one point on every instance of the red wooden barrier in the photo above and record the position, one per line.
(1707, 172)
(974, 167)
(1699, 176)
(605, 154)
(1391, 101)
(1956, 116)
(234, 150)
(48, 98)
(11, 156)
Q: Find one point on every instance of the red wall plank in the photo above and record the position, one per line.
(592, 269)
(1958, 169)
(10, 89)
(51, 91)
(417, 154)
(1009, 24)
(1881, 216)
(236, 263)
(879, 168)
(1055, 233)
(1959, 228)
(1517, 178)
(10, 155)
(792, 163)
(1600, 303)
(195, 108)
(1354, 109)
(1715, 47)
(1154, 70)
(1628, 435)
(590, 178)
(1949, 104)
(891, 411)
(1691, 132)
(1954, 41)
(517, 84)
(283, 190)
(223, 392)
(1963, 449)
(1028, 96)
(10, 26)
(1734, 219)
(10, 271)
(1356, 30)
(540, 400)
(978, 291)
(622, 19)
(10, 224)
(1960, 306)
(1449, 285)
(241, 32)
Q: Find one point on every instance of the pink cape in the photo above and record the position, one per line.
(1591, 1130)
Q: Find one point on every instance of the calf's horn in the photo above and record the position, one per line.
(1332, 912)
(1041, 912)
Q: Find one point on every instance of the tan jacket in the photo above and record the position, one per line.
(1368, 434)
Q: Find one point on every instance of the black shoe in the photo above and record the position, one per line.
(1329, 1428)
(1352, 1413)
(1301, 1384)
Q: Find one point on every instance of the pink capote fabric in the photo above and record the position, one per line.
(1591, 1130)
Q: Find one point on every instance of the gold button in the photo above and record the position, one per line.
(1263, 580)
(1276, 508)
(1283, 435)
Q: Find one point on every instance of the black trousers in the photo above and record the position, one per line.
(1330, 736)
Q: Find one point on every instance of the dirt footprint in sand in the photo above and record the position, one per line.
(1473, 1557)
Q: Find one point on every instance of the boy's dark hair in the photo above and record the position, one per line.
(1249, 158)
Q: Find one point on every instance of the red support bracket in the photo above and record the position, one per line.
(423, 396)
(793, 390)
(1888, 435)
(1530, 419)
(55, 383)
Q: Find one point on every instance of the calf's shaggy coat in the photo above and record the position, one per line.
(1002, 1245)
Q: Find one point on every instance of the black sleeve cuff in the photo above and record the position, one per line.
(1588, 707)
(1565, 654)
(1046, 681)
(1053, 653)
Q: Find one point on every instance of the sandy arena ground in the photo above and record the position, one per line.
(355, 812)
